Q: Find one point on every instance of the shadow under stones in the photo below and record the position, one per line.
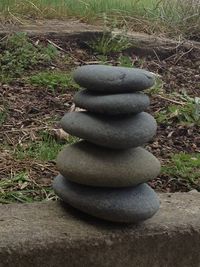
(97, 222)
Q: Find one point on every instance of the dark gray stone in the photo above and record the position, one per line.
(128, 205)
(111, 79)
(110, 131)
(126, 103)
(88, 164)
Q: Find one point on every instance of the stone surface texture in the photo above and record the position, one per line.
(50, 234)
(93, 178)
(119, 132)
(126, 205)
(111, 79)
(114, 104)
(88, 164)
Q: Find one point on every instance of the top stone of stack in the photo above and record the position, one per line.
(109, 79)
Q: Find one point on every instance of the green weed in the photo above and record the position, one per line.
(125, 61)
(183, 165)
(54, 80)
(20, 55)
(3, 115)
(19, 188)
(157, 88)
(103, 59)
(109, 43)
(188, 113)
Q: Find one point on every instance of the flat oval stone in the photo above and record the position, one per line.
(111, 79)
(110, 131)
(128, 205)
(126, 103)
(88, 164)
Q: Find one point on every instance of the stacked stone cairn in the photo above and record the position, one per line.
(105, 174)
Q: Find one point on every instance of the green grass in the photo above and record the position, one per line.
(125, 61)
(185, 166)
(53, 80)
(107, 44)
(174, 17)
(21, 55)
(45, 149)
(20, 188)
(3, 116)
(77, 7)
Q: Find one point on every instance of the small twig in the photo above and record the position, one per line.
(170, 57)
(156, 55)
(40, 187)
(171, 100)
(24, 129)
(16, 18)
(56, 46)
(43, 166)
(95, 62)
(63, 50)
(183, 55)
(180, 43)
(72, 108)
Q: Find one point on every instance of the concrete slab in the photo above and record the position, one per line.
(49, 26)
(51, 234)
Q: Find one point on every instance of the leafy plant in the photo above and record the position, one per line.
(20, 55)
(103, 59)
(157, 88)
(53, 80)
(125, 61)
(184, 166)
(186, 113)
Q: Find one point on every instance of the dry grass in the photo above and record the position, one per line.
(172, 17)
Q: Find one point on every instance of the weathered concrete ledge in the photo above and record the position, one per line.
(141, 43)
(50, 234)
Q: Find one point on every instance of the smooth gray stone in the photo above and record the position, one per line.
(88, 164)
(128, 205)
(110, 131)
(111, 79)
(112, 104)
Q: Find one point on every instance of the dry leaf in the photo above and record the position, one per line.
(60, 134)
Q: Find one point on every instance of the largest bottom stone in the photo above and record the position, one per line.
(128, 205)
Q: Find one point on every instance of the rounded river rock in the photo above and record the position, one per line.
(126, 103)
(128, 205)
(88, 164)
(119, 132)
(111, 79)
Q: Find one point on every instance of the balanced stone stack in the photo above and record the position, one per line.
(105, 175)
